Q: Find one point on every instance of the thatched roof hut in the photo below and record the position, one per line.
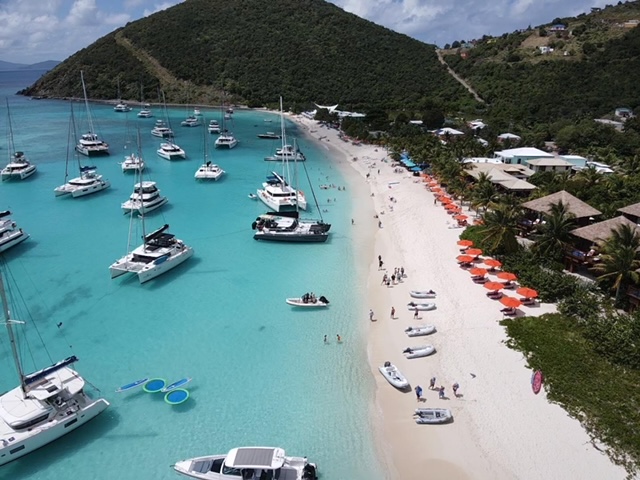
(632, 212)
(574, 205)
(599, 232)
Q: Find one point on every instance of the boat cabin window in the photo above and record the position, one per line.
(231, 471)
(31, 423)
(216, 466)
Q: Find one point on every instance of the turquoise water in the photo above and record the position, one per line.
(262, 374)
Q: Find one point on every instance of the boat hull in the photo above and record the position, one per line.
(43, 436)
(21, 175)
(297, 302)
(432, 416)
(145, 208)
(292, 238)
(92, 151)
(423, 307)
(394, 377)
(422, 294)
(277, 206)
(420, 331)
(12, 239)
(421, 351)
(95, 188)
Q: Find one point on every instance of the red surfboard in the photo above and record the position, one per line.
(536, 381)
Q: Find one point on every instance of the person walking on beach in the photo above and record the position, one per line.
(415, 313)
(418, 390)
(402, 272)
(393, 279)
(371, 315)
(393, 313)
(441, 393)
(380, 262)
(455, 388)
(325, 339)
(432, 383)
(384, 279)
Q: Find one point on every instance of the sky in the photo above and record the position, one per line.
(32, 31)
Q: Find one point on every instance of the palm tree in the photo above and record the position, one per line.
(500, 228)
(619, 259)
(555, 231)
(484, 193)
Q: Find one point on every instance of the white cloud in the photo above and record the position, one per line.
(160, 6)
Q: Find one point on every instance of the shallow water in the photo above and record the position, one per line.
(261, 372)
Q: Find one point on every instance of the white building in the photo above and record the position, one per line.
(554, 164)
(521, 155)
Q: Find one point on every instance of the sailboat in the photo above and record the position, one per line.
(208, 170)
(88, 182)
(10, 233)
(45, 406)
(226, 138)
(276, 193)
(146, 195)
(133, 161)
(121, 106)
(160, 251)
(145, 111)
(19, 167)
(169, 150)
(90, 144)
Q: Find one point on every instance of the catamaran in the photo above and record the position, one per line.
(45, 406)
(10, 233)
(19, 167)
(89, 143)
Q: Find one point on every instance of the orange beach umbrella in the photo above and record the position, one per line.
(508, 276)
(460, 217)
(446, 200)
(476, 271)
(465, 258)
(451, 206)
(492, 262)
(465, 243)
(495, 286)
(527, 292)
(474, 251)
(510, 302)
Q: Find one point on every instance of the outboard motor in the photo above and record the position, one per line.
(387, 363)
(309, 472)
(323, 299)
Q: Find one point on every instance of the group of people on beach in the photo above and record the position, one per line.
(440, 390)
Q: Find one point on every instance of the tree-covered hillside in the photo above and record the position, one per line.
(305, 50)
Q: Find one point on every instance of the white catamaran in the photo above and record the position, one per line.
(45, 406)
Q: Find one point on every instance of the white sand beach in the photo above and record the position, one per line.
(501, 430)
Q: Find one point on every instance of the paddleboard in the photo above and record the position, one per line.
(180, 383)
(131, 385)
(536, 381)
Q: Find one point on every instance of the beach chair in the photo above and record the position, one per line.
(509, 312)
(494, 295)
(509, 285)
(479, 279)
(528, 301)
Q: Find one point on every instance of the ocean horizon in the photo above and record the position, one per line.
(262, 374)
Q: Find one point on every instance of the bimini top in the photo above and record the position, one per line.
(256, 457)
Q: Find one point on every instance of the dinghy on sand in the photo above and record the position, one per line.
(432, 415)
(393, 376)
(422, 294)
(420, 331)
(421, 351)
(421, 306)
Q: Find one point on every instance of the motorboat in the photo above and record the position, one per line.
(250, 463)
(87, 183)
(308, 300)
(269, 136)
(91, 145)
(252, 196)
(170, 151)
(121, 107)
(289, 228)
(10, 234)
(191, 121)
(278, 195)
(132, 163)
(159, 253)
(48, 403)
(287, 152)
(161, 130)
(418, 352)
(420, 331)
(421, 306)
(145, 112)
(432, 415)
(214, 127)
(144, 199)
(226, 140)
(209, 171)
(393, 376)
(18, 168)
(197, 112)
(422, 294)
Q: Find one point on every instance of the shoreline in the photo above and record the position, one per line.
(500, 428)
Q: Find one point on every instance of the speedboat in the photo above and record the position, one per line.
(122, 107)
(289, 228)
(132, 163)
(432, 415)
(145, 112)
(90, 145)
(308, 300)
(226, 140)
(250, 463)
(421, 306)
(420, 331)
(197, 112)
(144, 199)
(161, 130)
(421, 351)
(18, 168)
(190, 121)
(87, 183)
(170, 151)
(278, 195)
(209, 171)
(393, 376)
(214, 126)
(159, 253)
(10, 234)
(422, 294)
(287, 153)
(269, 136)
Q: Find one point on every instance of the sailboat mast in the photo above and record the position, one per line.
(12, 338)
(86, 103)
(144, 233)
(285, 160)
(75, 137)
(11, 146)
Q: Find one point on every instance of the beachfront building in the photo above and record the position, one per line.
(508, 137)
(632, 212)
(554, 164)
(510, 178)
(576, 161)
(583, 213)
(521, 155)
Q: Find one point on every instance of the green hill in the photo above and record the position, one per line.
(305, 50)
